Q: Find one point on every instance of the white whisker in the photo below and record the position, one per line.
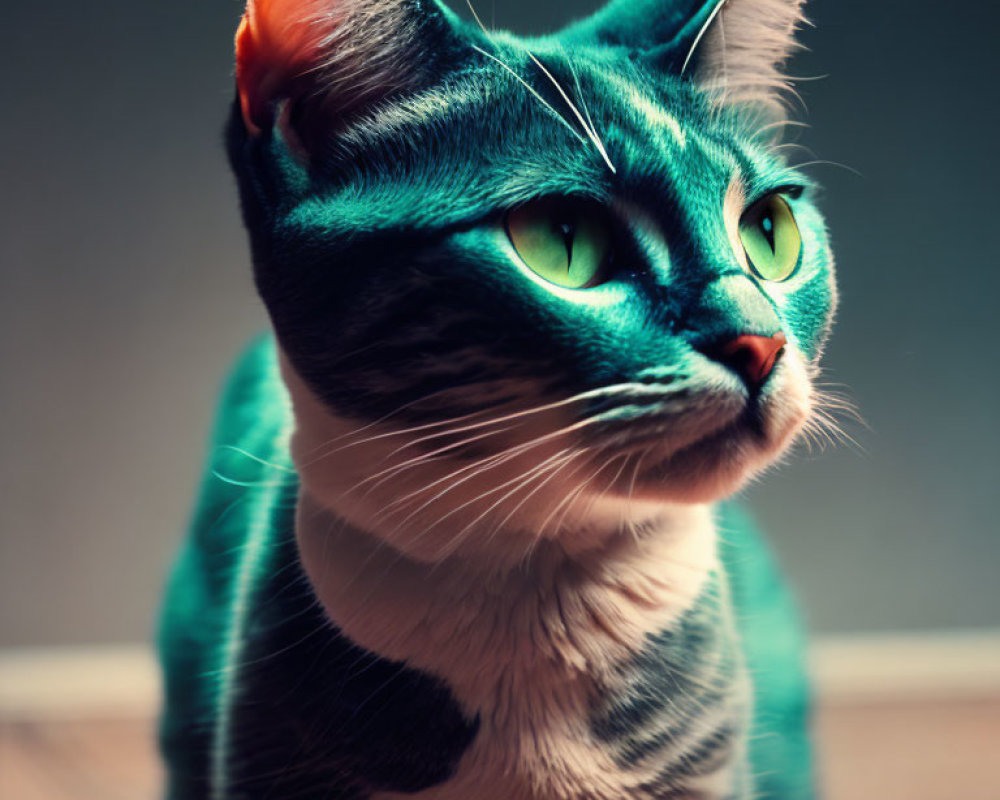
(639, 388)
(701, 34)
(824, 162)
(533, 92)
(479, 468)
(567, 502)
(579, 88)
(560, 459)
(591, 133)
(425, 458)
(591, 394)
(553, 471)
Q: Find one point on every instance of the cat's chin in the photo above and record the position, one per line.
(709, 470)
(721, 462)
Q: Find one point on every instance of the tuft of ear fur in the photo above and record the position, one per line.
(744, 48)
(734, 49)
(331, 56)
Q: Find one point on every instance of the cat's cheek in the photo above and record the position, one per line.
(428, 502)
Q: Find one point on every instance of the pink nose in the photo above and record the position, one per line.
(753, 356)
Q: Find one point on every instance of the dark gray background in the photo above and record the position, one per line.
(125, 292)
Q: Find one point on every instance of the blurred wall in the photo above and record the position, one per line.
(125, 292)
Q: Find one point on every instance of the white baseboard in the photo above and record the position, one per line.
(122, 681)
(899, 667)
(77, 682)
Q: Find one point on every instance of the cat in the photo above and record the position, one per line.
(539, 307)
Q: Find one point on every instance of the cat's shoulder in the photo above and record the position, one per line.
(243, 491)
(773, 642)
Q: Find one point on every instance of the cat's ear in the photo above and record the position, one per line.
(735, 49)
(319, 61)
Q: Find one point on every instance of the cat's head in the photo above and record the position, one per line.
(529, 288)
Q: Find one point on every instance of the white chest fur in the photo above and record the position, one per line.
(527, 651)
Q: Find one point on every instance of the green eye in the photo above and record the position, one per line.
(566, 243)
(771, 238)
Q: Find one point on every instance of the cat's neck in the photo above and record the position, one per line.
(535, 652)
(584, 610)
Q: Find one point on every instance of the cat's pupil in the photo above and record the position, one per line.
(566, 230)
(767, 226)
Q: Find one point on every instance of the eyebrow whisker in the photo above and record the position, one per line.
(591, 133)
(701, 34)
(592, 130)
(532, 91)
(588, 129)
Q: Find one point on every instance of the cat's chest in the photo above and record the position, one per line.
(612, 677)
(534, 741)
(665, 722)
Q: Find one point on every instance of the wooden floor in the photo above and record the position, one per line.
(935, 751)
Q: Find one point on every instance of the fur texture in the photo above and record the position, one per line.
(745, 49)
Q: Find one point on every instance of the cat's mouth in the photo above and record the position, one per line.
(710, 452)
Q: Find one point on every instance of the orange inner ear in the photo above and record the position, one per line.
(277, 43)
(246, 80)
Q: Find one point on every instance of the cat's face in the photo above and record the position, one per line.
(546, 285)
